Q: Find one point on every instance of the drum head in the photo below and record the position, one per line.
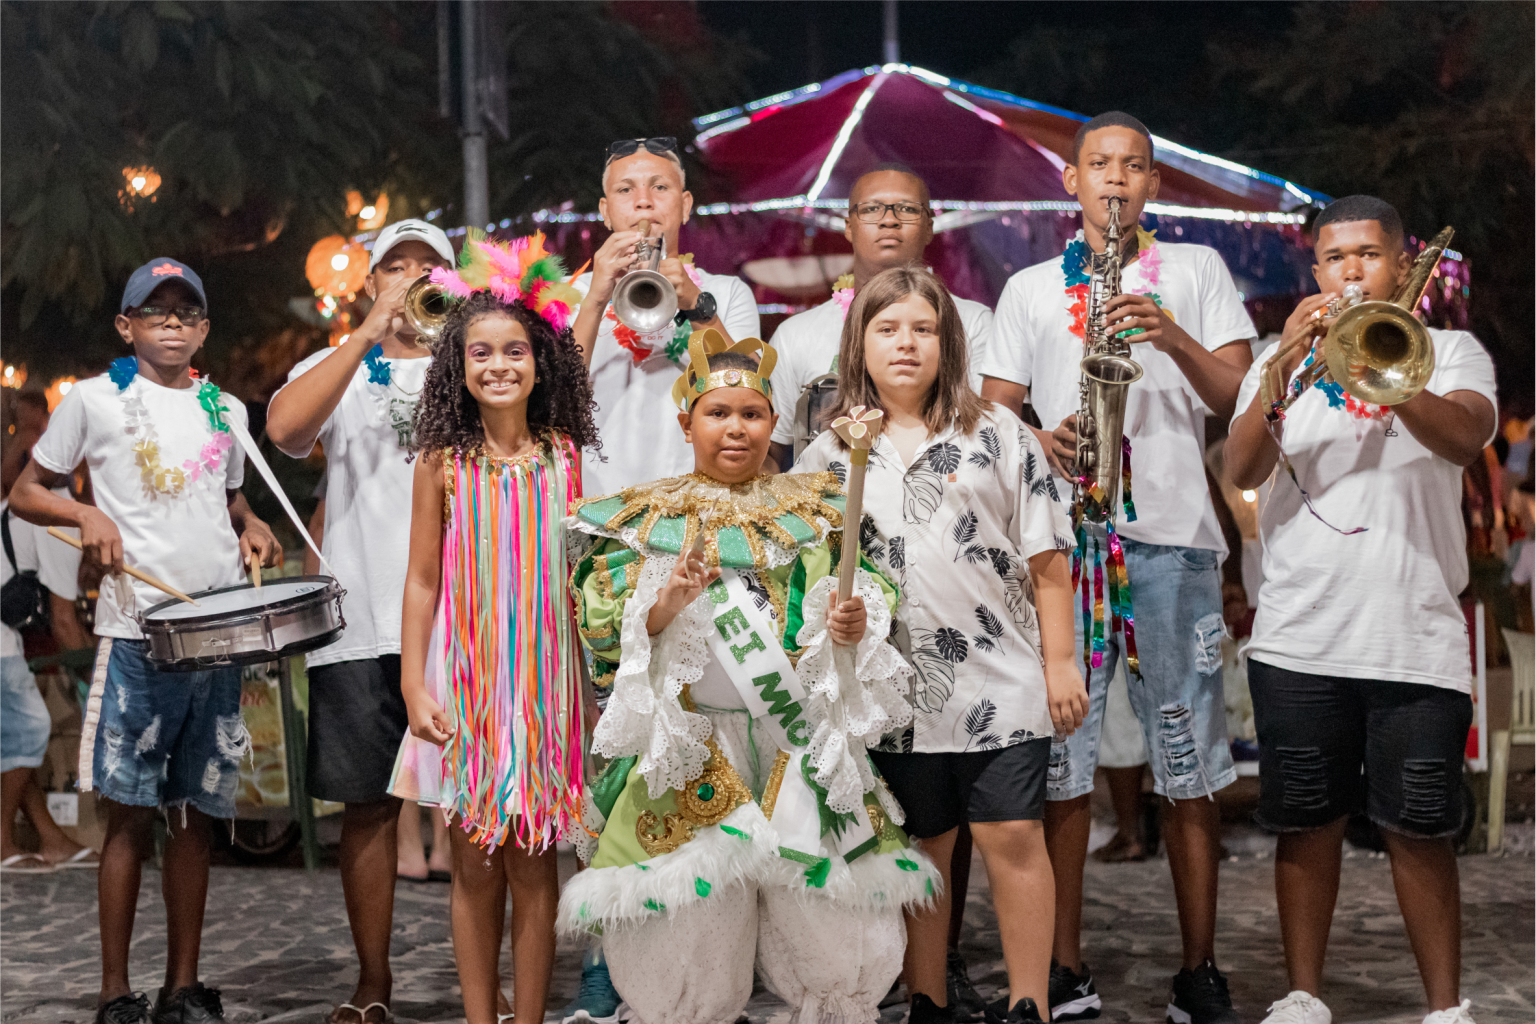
(231, 602)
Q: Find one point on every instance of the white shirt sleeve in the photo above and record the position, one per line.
(1010, 349)
(978, 341)
(1462, 364)
(786, 394)
(1250, 385)
(304, 365)
(1223, 317)
(1039, 521)
(63, 444)
(235, 410)
(738, 310)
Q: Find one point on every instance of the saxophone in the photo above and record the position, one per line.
(1107, 372)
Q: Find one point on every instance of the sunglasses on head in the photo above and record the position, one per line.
(660, 145)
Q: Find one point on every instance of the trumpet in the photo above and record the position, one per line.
(1378, 351)
(644, 300)
(426, 310)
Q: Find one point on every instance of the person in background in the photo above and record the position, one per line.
(358, 400)
(632, 374)
(889, 224)
(1361, 692)
(1187, 327)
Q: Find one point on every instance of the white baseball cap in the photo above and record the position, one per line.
(410, 231)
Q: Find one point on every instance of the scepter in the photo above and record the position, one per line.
(858, 430)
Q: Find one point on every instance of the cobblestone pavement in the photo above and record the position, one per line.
(276, 942)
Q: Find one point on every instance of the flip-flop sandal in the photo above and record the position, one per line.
(502, 1018)
(83, 859)
(25, 864)
(362, 1014)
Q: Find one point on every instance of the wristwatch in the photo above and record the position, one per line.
(703, 310)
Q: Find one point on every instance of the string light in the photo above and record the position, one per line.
(1250, 496)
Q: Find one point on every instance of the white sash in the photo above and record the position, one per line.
(743, 640)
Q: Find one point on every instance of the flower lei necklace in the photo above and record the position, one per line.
(842, 291)
(170, 480)
(1074, 268)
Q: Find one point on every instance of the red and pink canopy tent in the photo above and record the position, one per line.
(992, 162)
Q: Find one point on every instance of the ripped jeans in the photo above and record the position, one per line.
(162, 739)
(1176, 600)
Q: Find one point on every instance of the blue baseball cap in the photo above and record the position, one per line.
(155, 273)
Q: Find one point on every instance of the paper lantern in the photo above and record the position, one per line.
(336, 266)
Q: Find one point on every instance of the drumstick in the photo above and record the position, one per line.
(255, 564)
(142, 577)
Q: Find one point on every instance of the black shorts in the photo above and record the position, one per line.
(941, 791)
(1331, 746)
(356, 722)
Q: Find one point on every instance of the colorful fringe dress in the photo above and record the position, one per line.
(504, 659)
(740, 822)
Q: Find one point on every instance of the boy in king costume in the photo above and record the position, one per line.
(740, 819)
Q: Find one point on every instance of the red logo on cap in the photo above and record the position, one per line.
(166, 268)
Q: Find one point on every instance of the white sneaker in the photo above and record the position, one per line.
(1455, 1015)
(1304, 1008)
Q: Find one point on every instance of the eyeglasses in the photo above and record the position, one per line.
(154, 316)
(660, 145)
(874, 213)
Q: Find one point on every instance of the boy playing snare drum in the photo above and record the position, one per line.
(166, 473)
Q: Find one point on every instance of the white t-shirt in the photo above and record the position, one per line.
(57, 566)
(1382, 604)
(808, 343)
(184, 539)
(368, 503)
(1033, 345)
(635, 415)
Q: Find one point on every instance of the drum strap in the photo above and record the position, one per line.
(244, 437)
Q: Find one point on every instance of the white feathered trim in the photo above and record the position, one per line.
(873, 882)
(615, 896)
(644, 717)
(856, 696)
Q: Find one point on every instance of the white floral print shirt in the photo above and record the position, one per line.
(955, 530)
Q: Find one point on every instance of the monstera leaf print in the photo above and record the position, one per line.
(943, 457)
(991, 635)
(922, 491)
(990, 451)
(840, 471)
(935, 653)
(978, 725)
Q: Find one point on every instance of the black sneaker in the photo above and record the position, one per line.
(1073, 996)
(1024, 1012)
(925, 1012)
(963, 997)
(193, 1004)
(129, 1009)
(1200, 996)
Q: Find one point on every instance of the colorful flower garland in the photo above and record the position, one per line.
(1074, 268)
(170, 480)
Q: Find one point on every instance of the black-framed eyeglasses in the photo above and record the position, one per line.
(874, 213)
(660, 145)
(154, 316)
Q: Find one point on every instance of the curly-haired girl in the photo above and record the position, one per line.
(490, 666)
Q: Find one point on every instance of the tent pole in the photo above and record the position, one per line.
(892, 43)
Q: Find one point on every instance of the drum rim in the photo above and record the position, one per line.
(331, 588)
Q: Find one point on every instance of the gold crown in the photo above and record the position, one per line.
(698, 380)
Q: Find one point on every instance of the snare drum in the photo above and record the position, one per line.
(244, 625)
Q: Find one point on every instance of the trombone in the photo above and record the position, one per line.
(1378, 351)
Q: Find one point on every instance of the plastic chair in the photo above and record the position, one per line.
(1522, 708)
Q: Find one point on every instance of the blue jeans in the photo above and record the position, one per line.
(162, 739)
(24, 721)
(1176, 601)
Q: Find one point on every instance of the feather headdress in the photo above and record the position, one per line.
(519, 270)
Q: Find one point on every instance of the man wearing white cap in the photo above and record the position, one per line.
(357, 401)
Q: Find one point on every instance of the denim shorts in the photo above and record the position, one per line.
(162, 739)
(1331, 746)
(1176, 602)
(24, 721)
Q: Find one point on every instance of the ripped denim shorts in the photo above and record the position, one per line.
(1176, 602)
(162, 739)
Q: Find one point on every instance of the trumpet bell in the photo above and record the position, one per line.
(1380, 353)
(644, 301)
(426, 310)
